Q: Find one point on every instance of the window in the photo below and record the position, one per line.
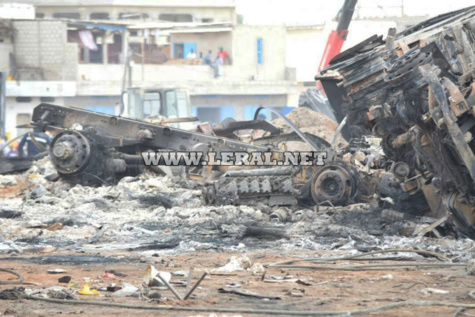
(182, 103)
(39, 15)
(23, 99)
(114, 50)
(171, 106)
(207, 20)
(95, 57)
(175, 17)
(178, 50)
(260, 59)
(66, 15)
(214, 115)
(133, 16)
(99, 16)
(151, 104)
(141, 105)
(47, 99)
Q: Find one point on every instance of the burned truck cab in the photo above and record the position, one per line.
(158, 102)
(416, 91)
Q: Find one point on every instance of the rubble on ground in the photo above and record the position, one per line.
(166, 214)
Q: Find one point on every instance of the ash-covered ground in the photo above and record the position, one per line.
(159, 214)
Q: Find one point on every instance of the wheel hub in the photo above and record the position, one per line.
(70, 152)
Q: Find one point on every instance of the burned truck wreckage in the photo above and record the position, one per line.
(415, 91)
(92, 148)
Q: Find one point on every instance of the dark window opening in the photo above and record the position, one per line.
(95, 57)
(87, 55)
(209, 114)
(114, 50)
(151, 104)
(39, 15)
(133, 16)
(66, 15)
(47, 99)
(175, 17)
(23, 99)
(179, 50)
(99, 16)
(207, 20)
(171, 104)
(214, 115)
(153, 54)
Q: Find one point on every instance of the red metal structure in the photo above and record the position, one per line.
(338, 36)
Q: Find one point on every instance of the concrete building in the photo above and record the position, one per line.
(204, 11)
(49, 64)
(72, 55)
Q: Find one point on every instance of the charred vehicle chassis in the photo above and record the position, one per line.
(90, 148)
(416, 90)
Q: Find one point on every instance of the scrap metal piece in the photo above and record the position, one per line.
(188, 294)
(171, 288)
(247, 293)
(188, 280)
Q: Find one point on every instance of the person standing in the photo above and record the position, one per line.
(191, 55)
(36, 142)
(224, 56)
(207, 61)
(12, 152)
(207, 58)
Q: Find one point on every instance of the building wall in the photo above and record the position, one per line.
(40, 48)
(14, 108)
(95, 103)
(206, 41)
(239, 107)
(5, 51)
(241, 44)
(362, 29)
(234, 100)
(304, 51)
(245, 64)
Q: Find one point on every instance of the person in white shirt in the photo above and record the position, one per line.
(191, 55)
